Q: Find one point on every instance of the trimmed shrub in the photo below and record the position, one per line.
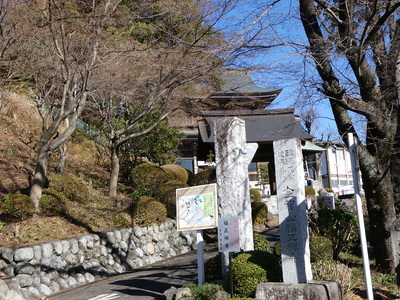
(148, 211)
(148, 176)
(208, 291)
(213, 268)
(259, 212)
(53, 203)
(252, 268)
(261, 243)
(166, 194)
(71, 188)
(176, 172)
(255, 195)
(139, 192)
(18, 207)
(320, 249)
(204, 177)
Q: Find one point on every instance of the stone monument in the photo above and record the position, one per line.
(233, 192)
(292, 208)
(232, 175)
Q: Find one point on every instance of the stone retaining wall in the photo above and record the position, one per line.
(40, 270)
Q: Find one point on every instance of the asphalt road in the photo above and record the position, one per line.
(145, 283)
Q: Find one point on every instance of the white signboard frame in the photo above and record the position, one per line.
(196, 207)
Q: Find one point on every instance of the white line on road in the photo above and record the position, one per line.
(105, 297)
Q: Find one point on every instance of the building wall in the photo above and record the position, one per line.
(336, 170)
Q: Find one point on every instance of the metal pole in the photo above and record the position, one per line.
(354, 169)
(200, 257)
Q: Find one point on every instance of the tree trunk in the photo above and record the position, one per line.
(377, 185)
(61, 163)
(374, 157)
(317, 170)
(39, 178)
(378, 188)
(381, 218)
(112, 191)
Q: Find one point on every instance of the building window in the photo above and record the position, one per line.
(253, 177)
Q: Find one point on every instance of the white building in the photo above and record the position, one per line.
(336, 171)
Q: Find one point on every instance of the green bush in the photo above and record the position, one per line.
(213, 268)
(80, 137)
(259, 213)
(148, 211)
(71, 188)
(166, 194)
(320, 249)
(122, 220)
(18, 207)
(261, 243)
(277, 249)
(337, 225)
(208, 291)
(255, 195)
(204, 177)
(139, 192)
(309, 191)
(176, 172)
(252, 268)
(148, 176)
(53, 202)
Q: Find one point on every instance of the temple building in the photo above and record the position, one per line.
(240, 97)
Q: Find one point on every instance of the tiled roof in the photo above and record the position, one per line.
(241, 83)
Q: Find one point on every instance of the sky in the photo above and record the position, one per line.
(283, 67)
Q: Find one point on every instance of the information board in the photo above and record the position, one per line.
(228, 235)
(196, 207)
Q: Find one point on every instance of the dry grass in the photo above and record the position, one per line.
(19, 134)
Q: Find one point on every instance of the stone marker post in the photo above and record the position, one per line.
(292, 206)
(232, 177)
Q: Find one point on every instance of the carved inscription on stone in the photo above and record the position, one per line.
(292, 211)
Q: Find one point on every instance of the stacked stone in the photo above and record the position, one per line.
(41, 270)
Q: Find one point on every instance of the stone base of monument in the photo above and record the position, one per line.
(314, 290)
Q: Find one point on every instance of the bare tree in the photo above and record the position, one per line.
(355, 47)
(309, 115)
(159, 75)
(60, 55)
(12, 27)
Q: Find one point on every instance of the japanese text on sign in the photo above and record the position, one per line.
(228, 235)
(196, 207)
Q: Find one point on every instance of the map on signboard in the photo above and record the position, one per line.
(197, 207)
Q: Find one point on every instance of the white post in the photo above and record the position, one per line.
(354, 170)
(200, 257)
